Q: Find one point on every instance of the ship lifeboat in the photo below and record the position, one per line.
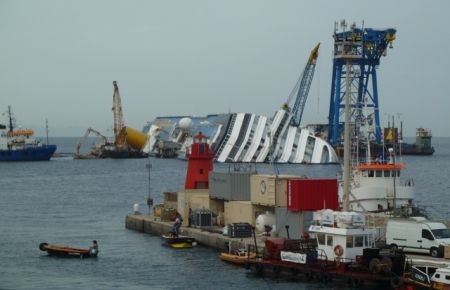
(239, 258)
(21, 132)
(66, 251)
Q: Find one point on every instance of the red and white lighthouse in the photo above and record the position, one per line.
(200, 163)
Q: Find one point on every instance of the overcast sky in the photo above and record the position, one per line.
(58, 59)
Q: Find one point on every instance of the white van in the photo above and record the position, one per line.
(418, 235)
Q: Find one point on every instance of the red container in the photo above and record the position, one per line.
(312, 194)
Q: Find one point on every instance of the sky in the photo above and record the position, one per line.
(58, 59)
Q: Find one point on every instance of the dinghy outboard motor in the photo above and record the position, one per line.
(93, 251)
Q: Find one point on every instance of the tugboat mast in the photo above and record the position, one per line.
(347, 140)
(10, 119)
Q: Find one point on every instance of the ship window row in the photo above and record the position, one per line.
(356, 241)
(359, 241)
(381, 173)
(437, 276)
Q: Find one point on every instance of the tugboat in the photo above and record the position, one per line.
(376, 186)
(20, 144)
(339, 247)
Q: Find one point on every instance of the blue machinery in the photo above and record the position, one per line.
(357, 52)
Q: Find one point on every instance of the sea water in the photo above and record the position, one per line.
(72, 202)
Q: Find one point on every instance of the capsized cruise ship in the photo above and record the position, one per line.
(240, 137)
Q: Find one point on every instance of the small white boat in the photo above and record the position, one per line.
(430, 277)
(441, 279)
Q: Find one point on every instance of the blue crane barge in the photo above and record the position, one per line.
(365, 46)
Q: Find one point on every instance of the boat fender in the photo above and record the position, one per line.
(309, 276)
(42, 246)
(276, 270)
(338, 250)
(396, 282)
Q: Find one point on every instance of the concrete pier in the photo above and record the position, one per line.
(151, 225)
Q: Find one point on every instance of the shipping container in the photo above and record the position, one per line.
(216, 205)
(170, 200)
(191, 199)
(298, 222)
(270, 190)
(199, 201)
(230, 185)
(312, 194)
(243, 212)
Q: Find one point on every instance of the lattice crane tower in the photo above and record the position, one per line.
(120, 140)
(362, 48)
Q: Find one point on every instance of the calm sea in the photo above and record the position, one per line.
(72, 202)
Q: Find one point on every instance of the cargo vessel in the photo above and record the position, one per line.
(21, 145)
(422, 146)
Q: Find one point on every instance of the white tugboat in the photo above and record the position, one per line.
(378, 187)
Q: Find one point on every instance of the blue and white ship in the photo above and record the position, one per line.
(239, 137)
(21, 145)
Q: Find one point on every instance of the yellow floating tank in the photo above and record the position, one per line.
(135, 139)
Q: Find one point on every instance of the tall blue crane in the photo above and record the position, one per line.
(357, 52)
(302, 88)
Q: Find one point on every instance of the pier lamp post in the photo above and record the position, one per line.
(149, 197)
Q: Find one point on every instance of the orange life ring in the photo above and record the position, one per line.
(338, 250)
